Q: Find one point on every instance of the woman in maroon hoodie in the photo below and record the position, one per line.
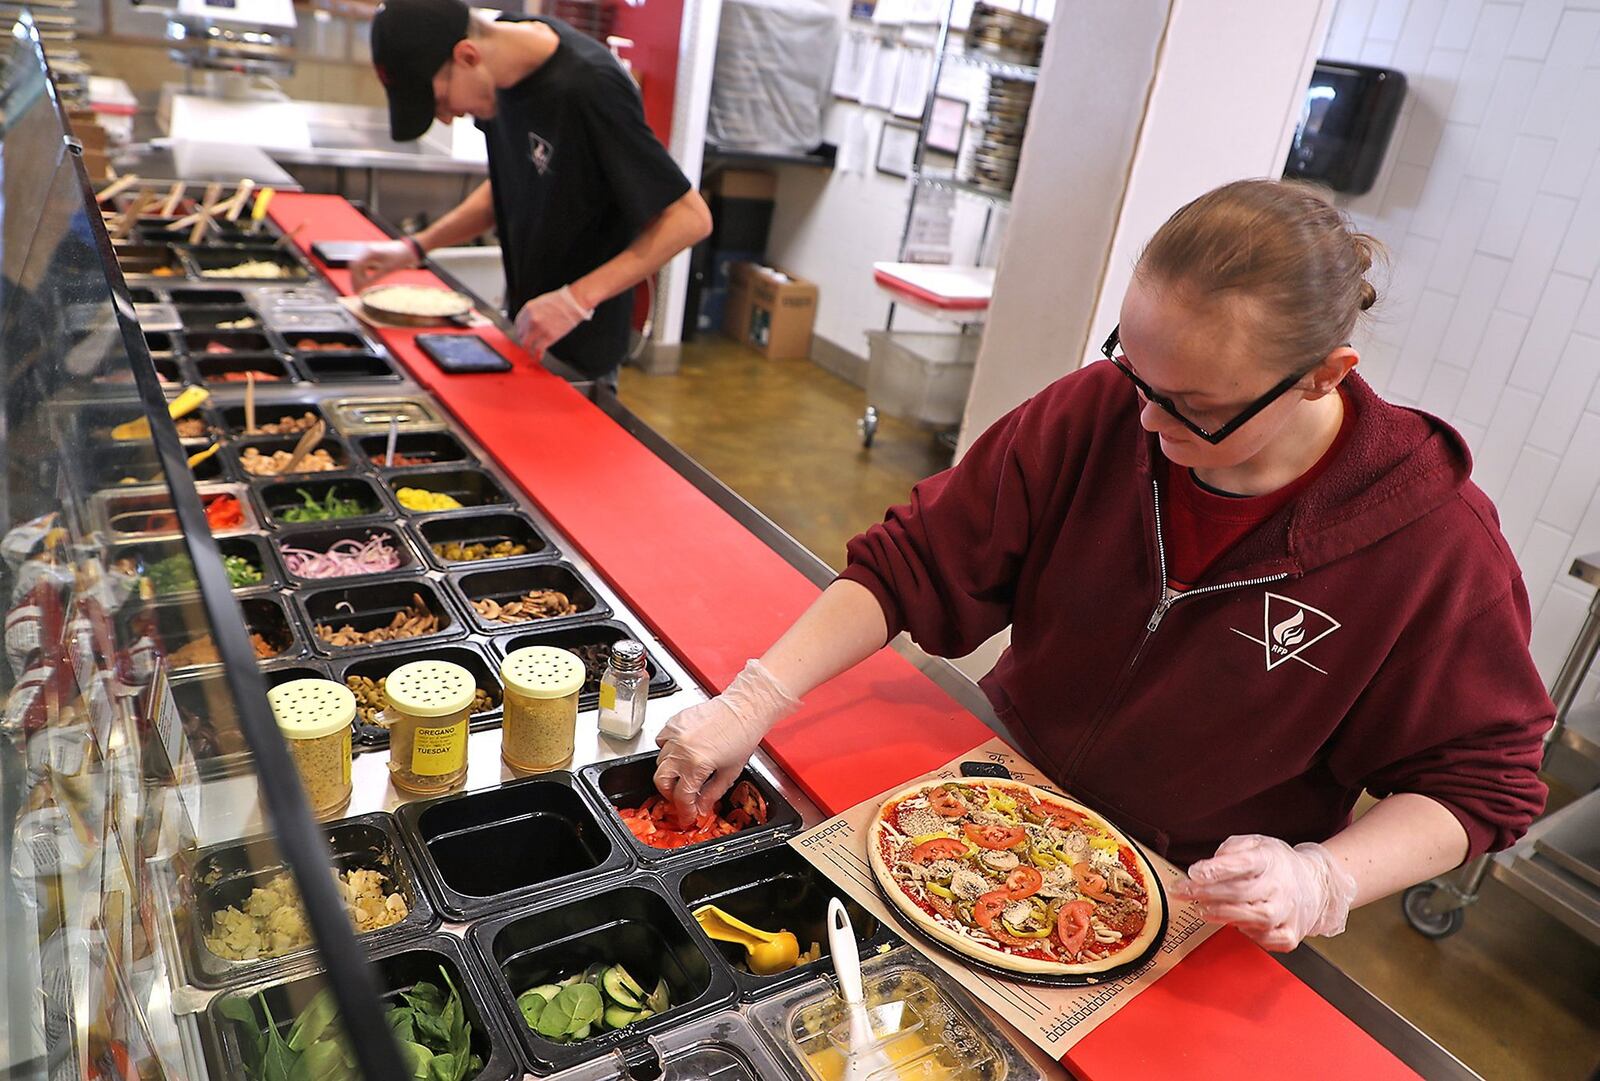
(1241, 587)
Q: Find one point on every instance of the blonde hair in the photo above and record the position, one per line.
(1277, 243)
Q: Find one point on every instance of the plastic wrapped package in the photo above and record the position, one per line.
(769, 90)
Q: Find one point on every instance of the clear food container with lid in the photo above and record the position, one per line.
(427, 705)
(315, 716)
(542, 685)
(721, 1047)
(924, 1028)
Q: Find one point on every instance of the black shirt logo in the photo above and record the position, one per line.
(540, 152)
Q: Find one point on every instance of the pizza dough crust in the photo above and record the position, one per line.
(1000, 959)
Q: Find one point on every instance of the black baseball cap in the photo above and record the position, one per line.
(411, 40)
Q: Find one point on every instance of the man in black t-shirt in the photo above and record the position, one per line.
(586, 200)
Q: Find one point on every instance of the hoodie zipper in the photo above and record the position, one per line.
(1163, 605)
(1168, 597)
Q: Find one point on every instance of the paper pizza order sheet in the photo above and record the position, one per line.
(1055, 1018)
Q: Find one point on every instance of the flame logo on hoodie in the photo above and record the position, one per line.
(1291, 632)
(1288, 629)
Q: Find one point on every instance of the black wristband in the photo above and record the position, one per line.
(417, 249)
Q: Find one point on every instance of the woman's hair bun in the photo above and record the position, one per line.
(1369, 295)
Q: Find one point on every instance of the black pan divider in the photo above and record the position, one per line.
(224, 874)
(773, 887)
(200, 258)
(468, 485)
(508, 581)
(490, 525)
(252, 546)
(210, 721)
(605, 633)
(277, 673)
(395, 968)
(365, 603)
(354, 368)
(488, 850)
(475, 657)
(276, 494)
(628, 782)
(194, 297)
(442, 448)
(174, 627)
(636, 923)
(319, 538)
(296, 831)
(232, 417)
(211, 371)
(110, 464)
(337, 449)
(328, 341)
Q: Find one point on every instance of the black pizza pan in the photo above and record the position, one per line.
(914, 931)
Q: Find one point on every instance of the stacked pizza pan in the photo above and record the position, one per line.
(999, 148)
(1006, 35)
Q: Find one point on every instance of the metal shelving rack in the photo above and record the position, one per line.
(924, 179)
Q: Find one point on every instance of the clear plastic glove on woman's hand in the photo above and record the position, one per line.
(1275, 894)
(381, 260)
(705, 747)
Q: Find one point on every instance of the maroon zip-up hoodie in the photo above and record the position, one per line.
(1373, 634)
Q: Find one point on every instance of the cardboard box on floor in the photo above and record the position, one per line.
(770, 311)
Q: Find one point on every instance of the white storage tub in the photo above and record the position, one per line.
(921, 376)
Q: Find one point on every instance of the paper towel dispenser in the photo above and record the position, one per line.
(1349, 115)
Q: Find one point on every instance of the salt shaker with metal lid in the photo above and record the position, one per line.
(624, 689)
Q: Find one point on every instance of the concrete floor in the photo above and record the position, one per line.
(1514, 995)
(782, 433)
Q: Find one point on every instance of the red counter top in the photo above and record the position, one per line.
(717, 595)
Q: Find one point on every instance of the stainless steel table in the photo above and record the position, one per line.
(164, 163)
(1560, 877)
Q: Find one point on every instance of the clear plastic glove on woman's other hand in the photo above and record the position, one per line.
(1275, 894)
(705, 747)
(381, 260)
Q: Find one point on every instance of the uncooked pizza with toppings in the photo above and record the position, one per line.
(1016, 877)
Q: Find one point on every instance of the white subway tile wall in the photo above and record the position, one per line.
(1489, 202)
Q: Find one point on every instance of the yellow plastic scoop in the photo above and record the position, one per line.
(767, 952)
(194, 460)
(185, 403)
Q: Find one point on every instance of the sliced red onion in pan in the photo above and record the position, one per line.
(344, 559)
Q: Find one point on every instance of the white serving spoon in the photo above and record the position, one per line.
(863, 1059)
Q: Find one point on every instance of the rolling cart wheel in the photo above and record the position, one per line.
(1415, 904)
(868, 426)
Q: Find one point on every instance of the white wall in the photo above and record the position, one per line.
(1226, 93)
(1226, 101)
(1489, 201)
(697, 54)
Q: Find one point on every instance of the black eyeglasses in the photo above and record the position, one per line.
(1110, 350)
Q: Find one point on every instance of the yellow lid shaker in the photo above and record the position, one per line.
(542, 685)
(426, 706)
(314, 716)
